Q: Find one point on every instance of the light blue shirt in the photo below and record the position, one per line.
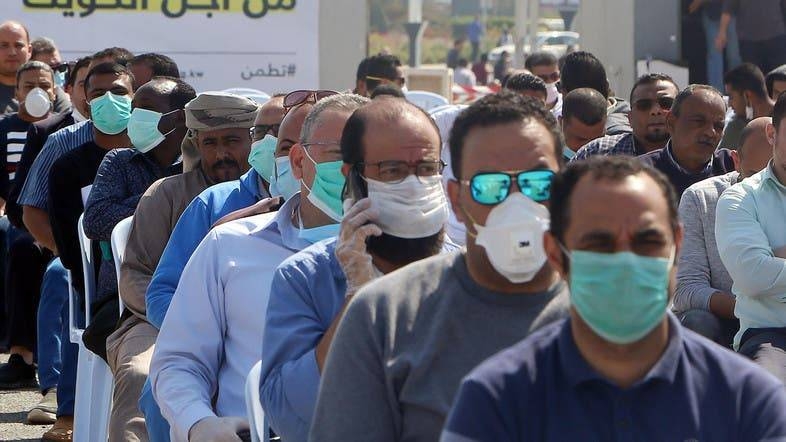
(749, 228)
(212, 334)
(35, 191)
(207, 208)
(307, 294)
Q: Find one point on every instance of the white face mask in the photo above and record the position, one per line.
(410, 209)
(37, 103)
(513, 237)
(551, 93)
(749, 112)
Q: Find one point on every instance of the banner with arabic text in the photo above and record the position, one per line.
(269, 45)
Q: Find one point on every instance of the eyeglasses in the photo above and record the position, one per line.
(491, 188)
(295, 98)
(550, 78)
(260, 130)
(400, 81)
(394, 172)
(646, 104)
(62, 67)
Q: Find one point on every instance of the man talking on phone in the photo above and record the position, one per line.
(396, 211)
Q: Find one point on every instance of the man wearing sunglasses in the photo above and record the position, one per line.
(198, 379)
(695, 123)
(407, 339)
(622, 367)
(390, 153)
(652, 97)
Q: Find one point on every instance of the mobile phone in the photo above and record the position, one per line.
(355, 188)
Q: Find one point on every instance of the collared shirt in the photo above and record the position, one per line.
(609, 145)
(700, 272)
(35, 191)
(306, 296)
(748, 229)
(122, 178)
(155, 218)
(212, 334)
(663, 159)
(207, 208)
(543, 389)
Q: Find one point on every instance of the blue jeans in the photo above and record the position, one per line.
(157, 426)
(51, 324)
(715, 69)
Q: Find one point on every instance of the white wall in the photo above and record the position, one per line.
(342, 41)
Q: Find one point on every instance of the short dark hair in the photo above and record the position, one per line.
(777, 74)
(352, 149)
(42, 45)
(684, 94)
(387, 90)
(584, 104)
(34, 66)
(540, 58)
(161, 65)
(497, 109)
(746, 77)
(615, 168)
(80, 64)
(582, 69)
(362, 69)
(484, 57)
(463, 62)
(181, 93)
(651, 79)
(779, 111)
(121, 56)
(108, 68)
(522, 81)
(381, 66)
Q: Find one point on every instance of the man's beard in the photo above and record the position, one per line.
(657, 137)
(403, 251)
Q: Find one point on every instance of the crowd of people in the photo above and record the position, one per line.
(550, 262)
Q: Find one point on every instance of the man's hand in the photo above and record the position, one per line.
(722, 305)
(351, 251)
(780, 252)
(720, 40)
(217, 429)
(695, 5)
(262, 206)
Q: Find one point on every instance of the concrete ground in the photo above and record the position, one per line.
(14, 406)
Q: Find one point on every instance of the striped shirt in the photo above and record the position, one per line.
(35, 191)
(13, 133)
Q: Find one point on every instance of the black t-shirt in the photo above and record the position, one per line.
(662, 159)
(7, 102)
(13, 134)
(69, 175)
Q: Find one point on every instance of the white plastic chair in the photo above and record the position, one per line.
(93, 402)
(426, 100)
(119, 239)
(254, 94)
(256, 416)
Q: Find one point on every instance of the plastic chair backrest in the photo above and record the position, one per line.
(256, 416)
(426, 100)
(88, 266)
(119, 239)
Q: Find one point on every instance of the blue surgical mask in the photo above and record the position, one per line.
(316, 234)
(620, 296)
(143, 129)
(326, 190)
(282, 182)
(60, 79)
(110, 112)
(262, 156)
(568, 153)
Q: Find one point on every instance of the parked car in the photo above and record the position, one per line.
(559, 43)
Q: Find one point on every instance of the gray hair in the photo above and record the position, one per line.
(336, 103)
(42, 45)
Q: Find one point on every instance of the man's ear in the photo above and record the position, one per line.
(735, 158)
(454, 195)
(345, 168)
(771, 134)
(555, 254)
(296, 157)
(671, 121)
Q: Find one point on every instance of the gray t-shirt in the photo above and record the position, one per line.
(757, 20)
(408, 339)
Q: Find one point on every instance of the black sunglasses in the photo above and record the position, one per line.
(646, 104)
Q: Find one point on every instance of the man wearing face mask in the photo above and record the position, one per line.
(265, 138)
(545, 66)
(621, 366)
(425, 326)
(695, 123)
(403, 202)
(651, 98)
(748, 98)
(224, 288)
